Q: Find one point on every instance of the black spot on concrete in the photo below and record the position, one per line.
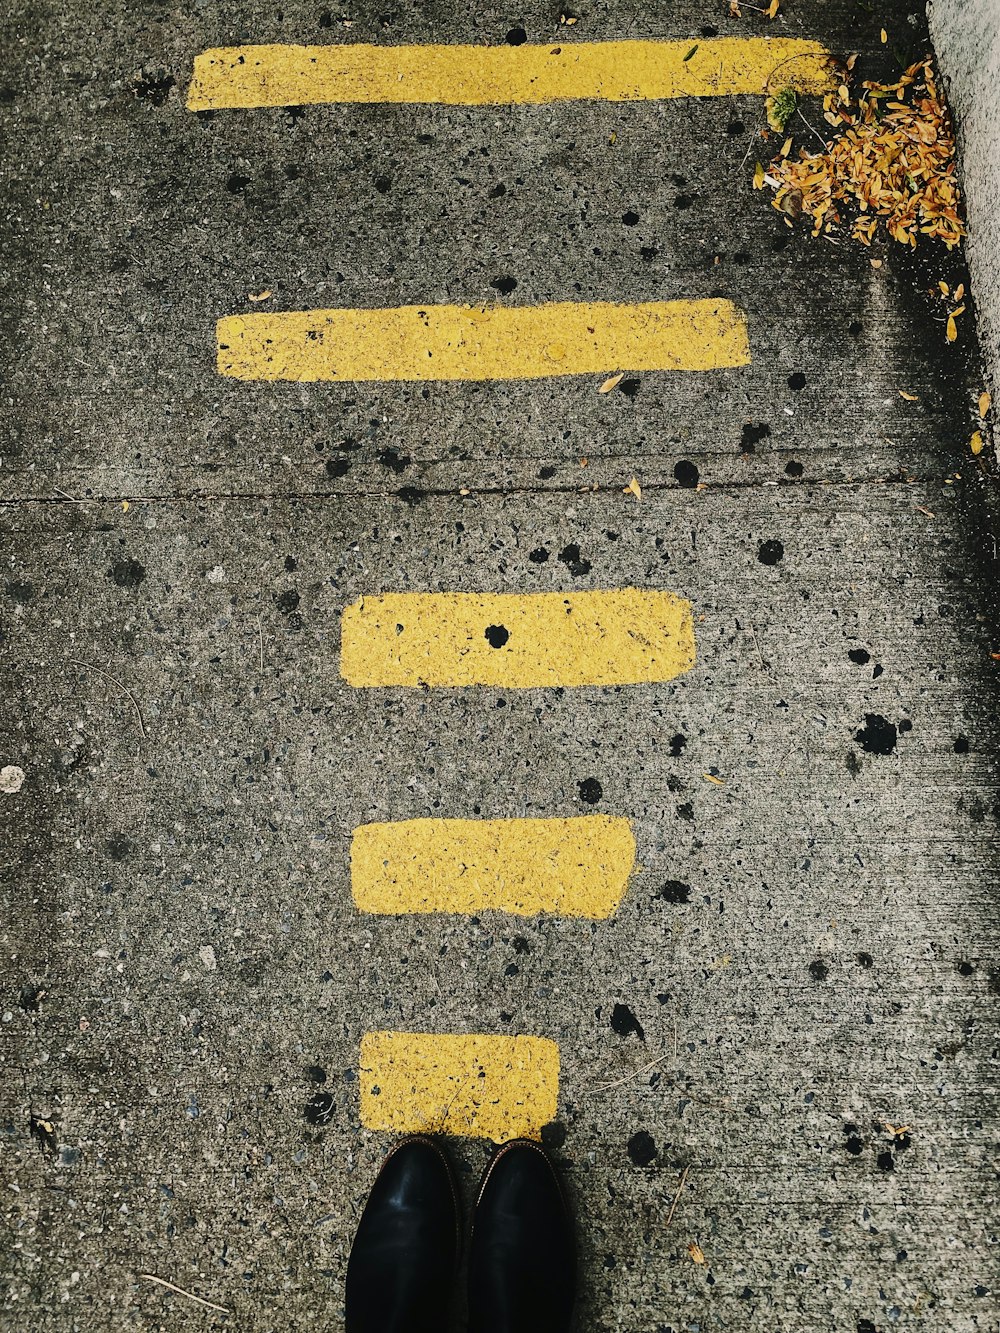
(735, 127)
(128, 573)
(876, 671)
(797, 381)
(770, 552)
(553, 1135)
(521, 945)
(326, 19)
(905, 726)
(885, 1161)
(675, 892)
(7, 96)
(629, 388)
(20, 591)
(993, 981)
(511, 970)
(504, 285)
(683, 200)
(686, 474)
(966, 968)
(516, 37)
(316, 1074)
(641, 1148)
(383, 184)
(498, 191)
(961, 745)
(854, 328)
(570, 556)
(864, 959)
(818, 970)
(709, 30)
(118, 847)
(546, 473)
(410, 495)
(624, 1023)
(29, 998)
(610, 1261)
(497, 635)
(859, 656)
(630, 218)
(236, 183)
(752, 436)
(648, 253)
(319, 1109)
(853, 764)
(538, 556)
(394, 460)
(590, 790)
(878, 735)
(686, 812)
(287, 601)
(866, 1326)
(854, 1143)
(794, 469)
(291, 564)
(338, 467)
(153, 88)
(295, 114)
(677, 744)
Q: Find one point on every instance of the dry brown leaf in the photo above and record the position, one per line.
(976, 444)
(910, 397)
(260, 296)
(985, 402)
(710, 777)
(951, 329)
(852, 60)
(696, 1252)
(612, 383)
(734, 9)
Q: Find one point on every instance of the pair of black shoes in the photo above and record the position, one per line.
(401, 1273)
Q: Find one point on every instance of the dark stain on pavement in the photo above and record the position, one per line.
(641, 1148)
(153, 88)
(590, 790)
(497, 635)
(625, 1023)
(127, 573)
(675, 891)
(319, 1109)
(686, 474)
(571, 558)
(770, 552)
(878, 735)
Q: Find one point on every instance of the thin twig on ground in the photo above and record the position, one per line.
(162, 1281)
(677, 1196)
(605, 1087)
(89, 666)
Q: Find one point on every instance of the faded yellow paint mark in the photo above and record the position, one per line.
(486, 1087)
(452, 342)
(574, 867)
(622, 636)
(625, 71)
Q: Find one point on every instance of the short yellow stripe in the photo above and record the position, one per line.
(484, 1087)
(626, 71)
(622, 636)
(573, 867)
(450, 342)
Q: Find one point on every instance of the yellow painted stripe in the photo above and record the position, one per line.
(626, 71)
(572, 867)
(484, 1087)
(622, 636)
(452, 342)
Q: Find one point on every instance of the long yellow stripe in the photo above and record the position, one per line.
(450, 342)
(622, 636)
(573, 867)
(626, 71)
(478, 1086)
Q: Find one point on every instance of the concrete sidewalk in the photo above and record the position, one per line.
(777, 1060)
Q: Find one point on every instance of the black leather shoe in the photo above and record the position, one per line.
(401, 1273)
(522, 1259)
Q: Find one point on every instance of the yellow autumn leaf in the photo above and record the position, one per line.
(633, 488)
(976, 443)
(943, 287)
(758, 177)
(951, 329)
(612, 383)
(959, 291)
(786, 148)
(710, 777)
(985, 402)
(910, 397)
(884, 36)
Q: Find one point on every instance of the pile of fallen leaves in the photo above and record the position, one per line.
(894, 160)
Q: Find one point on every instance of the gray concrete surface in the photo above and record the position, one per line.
(966, 36)
(182, 964)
